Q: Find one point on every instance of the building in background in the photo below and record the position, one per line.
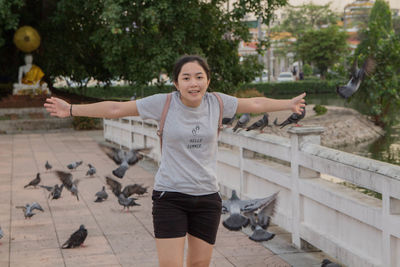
(354, 16)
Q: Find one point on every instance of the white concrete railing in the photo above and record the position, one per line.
(352, 227)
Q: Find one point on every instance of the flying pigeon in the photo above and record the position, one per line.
(56, 191)
(123, 158)
(235, 207)
(101, 195)
(74, 165)
(48, 188)
(48, 166)
(116, 188)
(28, 209)
(259, 222)
(34, 182)
(294, 118)
(139, 189)
(229, 121)
(328, 263)
(242, 122)
(260, 124)
(91, 171)
(126, 202)
(66, 179)
(77, 238)
(357, 76)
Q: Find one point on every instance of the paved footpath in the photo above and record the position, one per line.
(115, 238)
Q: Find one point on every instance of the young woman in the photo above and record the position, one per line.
(186, 202)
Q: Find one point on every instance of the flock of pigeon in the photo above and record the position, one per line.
(357, 75)
(244, 119)
(124, 159)
(256, 212)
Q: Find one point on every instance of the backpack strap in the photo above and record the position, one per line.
(221, 110)
(165, 112)
(162, 120)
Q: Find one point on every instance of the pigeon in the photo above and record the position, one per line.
(139, 189)
(48, 166)
(294, 118)
(260, 124)
(235, 206)
(357, 76)
(116, 188)
(328, 263)
(91, 171)
(123, 158)
(229, 121)
(56, 191)
(242, 122)
(48, 188)
(28, 209)
(66, 179)
(260, 222)
(34, 182)
(101, 195)
(1, 234)
(77, 238)
(126, 202)
(74, 165)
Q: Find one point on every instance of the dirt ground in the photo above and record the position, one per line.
(343, 126)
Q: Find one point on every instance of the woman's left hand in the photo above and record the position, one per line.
(298, 103)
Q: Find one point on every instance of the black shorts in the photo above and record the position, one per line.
(175, 214)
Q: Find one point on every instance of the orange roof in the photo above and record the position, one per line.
(250, 44)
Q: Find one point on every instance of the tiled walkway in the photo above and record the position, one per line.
(115, 238)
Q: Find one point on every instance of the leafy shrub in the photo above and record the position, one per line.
(307, 70)
(294, 88)
(320, 110)
(309, 85)
(120, 92)
(85, 123)
(252, 92)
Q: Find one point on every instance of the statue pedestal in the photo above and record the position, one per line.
(27, 89)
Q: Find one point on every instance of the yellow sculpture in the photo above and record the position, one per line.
(30, 78)
(27, 39)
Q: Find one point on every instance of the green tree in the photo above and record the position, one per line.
(152, 34)
(381, 91)
(9, 18)
(138, 39)
(300, 19)
(69, 49)
(396, 24)
(322, 47)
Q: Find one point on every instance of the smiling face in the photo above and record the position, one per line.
(192, 83)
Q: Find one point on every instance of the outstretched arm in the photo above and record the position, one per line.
(263, 104)
(106, 109)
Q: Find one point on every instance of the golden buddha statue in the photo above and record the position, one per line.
(30, 78)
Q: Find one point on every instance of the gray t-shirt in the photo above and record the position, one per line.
(189, 150)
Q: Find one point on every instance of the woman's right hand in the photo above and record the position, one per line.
(57, 107)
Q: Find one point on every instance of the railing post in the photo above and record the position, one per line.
(298, 136)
